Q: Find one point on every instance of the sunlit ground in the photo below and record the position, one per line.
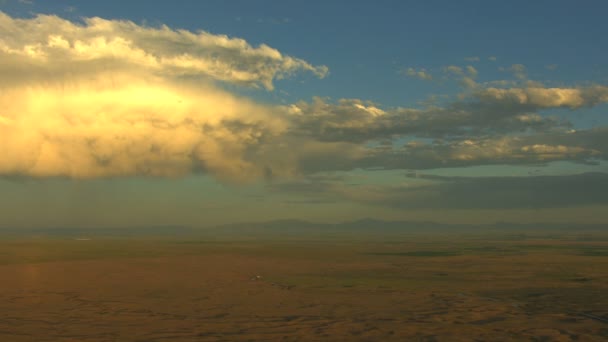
(429, 287)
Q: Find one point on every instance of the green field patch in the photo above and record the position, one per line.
(546, 248)
(492, 250)
(418, 253)
(484, 249)
(594, 251)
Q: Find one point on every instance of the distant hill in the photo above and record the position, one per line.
(371, 226)
(98, 231)
(295, 227)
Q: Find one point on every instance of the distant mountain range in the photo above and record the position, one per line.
(294, 227)
(374, 225)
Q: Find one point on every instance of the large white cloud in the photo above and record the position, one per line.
(95, 128)
(49, 44)
(110, 98)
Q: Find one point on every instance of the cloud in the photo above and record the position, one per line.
(472, 59)
(518, 70)
(441, 192)
(501, 192)
(466, 75)
(585, 146)
(471, 71)
(535, 98)
(551, 66)
(453, 69)
(117, 124)
(110, 98)
(46, 45)
(421, 74)
(124, 126)
(482, 111)
(488, 126)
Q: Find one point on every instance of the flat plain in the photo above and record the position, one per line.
(435, 286)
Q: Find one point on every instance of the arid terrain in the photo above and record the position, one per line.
(404, 287)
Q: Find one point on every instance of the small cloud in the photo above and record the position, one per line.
(492, 58)
(472, 59)
(453, 69)
(467, 74)
(469, 83)
(551, 66)
(471, 71)
(518, 70)
(26, 2)
(421, 74)
(497, 192)
(534, 84)
(501, 83)
(539, 97)
(433, 100)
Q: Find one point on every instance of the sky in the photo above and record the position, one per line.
(198, 113)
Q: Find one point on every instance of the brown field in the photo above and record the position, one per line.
(416, 287)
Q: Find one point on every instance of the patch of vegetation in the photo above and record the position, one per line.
(419, 253)
(603, 252)
(484, 249)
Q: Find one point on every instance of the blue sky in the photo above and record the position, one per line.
(384, 109)
(365, 44)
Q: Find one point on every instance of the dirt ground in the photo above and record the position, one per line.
(407, 290)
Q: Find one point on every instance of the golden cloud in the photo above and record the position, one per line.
(110, 98)
(117, 125)
(47, 43)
